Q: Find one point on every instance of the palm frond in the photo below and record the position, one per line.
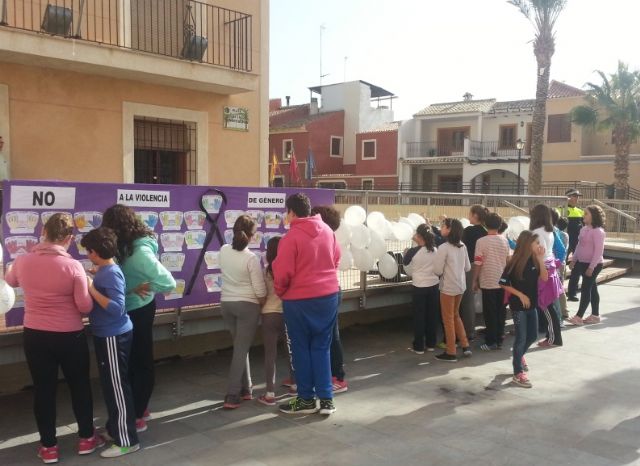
(585, 115)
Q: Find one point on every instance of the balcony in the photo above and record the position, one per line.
(434, 152)
(182, 43)
(493, 151)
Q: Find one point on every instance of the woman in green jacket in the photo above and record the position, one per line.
(145, 276)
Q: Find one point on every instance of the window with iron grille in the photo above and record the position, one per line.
(164, 151)
(559, 128)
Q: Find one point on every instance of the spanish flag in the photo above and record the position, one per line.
(275, 169)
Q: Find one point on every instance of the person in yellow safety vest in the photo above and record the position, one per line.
(574, 216)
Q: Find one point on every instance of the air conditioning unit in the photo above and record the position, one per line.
(57, 20)
(194, 47)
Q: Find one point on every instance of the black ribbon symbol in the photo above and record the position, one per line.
(213, 230)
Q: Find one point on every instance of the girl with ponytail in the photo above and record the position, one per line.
(243, 294)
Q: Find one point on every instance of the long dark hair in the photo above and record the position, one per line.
(272, 253)
(242, 232)
(522, 253)
(455, 231)
(541, 217)
(429, 239)
(127, 227)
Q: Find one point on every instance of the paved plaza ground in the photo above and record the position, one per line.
(401, 409)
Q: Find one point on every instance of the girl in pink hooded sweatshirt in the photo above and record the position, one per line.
(56, 297)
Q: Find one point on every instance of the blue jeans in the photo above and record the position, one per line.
(310, 325)
(526, 324)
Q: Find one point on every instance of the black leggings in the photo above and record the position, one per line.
(426, 312)
(46, 352)
(589, 293)
(141, 368)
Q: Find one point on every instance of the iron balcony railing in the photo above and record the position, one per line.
(425, 149)
(490, 151)
(184, 29)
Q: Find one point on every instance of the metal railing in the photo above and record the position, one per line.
(488, 151)
(424, 149)
(184, 29)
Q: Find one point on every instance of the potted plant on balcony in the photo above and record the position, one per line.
(432, 152)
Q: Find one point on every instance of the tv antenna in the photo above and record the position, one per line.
(322, 28)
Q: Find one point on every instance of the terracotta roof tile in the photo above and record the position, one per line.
(384, 128)
(464, 106)
(558, 90)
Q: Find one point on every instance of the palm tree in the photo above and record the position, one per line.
(614, 106)
(543, 15)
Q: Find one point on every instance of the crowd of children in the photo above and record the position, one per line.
(527, 276)
(295, 298)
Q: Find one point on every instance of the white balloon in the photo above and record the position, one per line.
(346, 260)
(360, 237)
(524, 221)
(343, 234)
(402, 231)
(465, 222)
(515, 228)
(407, 221)
(377, 247)
(388, 267)
(7, 297)
(416, 219)
(388, 230)
(362, 260)
(355, 215)
(376, 221)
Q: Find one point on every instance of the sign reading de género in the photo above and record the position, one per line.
(42, 197)
(266, 200)
(144, 198)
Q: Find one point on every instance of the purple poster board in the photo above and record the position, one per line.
(172, 211)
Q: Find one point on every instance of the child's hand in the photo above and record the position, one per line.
(143, 289)
(526, 303)
(89, 281)
(571, 265)
(540, 251)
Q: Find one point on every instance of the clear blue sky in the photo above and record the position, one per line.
(428, 51)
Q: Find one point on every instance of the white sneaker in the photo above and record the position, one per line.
(115, 451)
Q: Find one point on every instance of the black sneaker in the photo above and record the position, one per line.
(467, 352)
(446, 357)
(327, 407)
(573, 299)
(299, 406)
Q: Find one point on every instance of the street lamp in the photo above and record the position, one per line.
(519, 146)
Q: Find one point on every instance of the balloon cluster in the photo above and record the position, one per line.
(516, 226)
(363, 239)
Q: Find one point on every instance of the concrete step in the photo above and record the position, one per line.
(607, 263)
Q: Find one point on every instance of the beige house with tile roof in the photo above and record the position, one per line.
(572, 153)
(468, 145)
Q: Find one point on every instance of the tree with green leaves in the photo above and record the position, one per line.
(614, 106)
(543, 15)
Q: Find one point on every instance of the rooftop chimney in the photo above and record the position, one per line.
(288, 98)
(468, 96)
(313, 108)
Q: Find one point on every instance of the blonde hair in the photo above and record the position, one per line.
(58, 227)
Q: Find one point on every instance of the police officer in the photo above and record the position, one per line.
(574, 216)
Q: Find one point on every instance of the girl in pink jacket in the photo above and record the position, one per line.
(56, 297)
